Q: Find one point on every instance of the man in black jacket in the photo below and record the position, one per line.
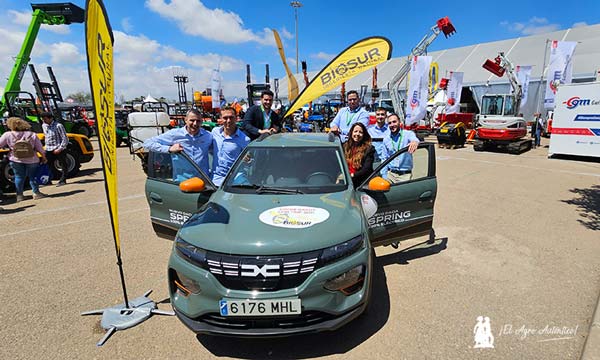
(260, 119)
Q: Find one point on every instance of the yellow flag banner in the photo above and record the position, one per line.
(434, 71)
(358, 57)
(99, 48)
(291, 83)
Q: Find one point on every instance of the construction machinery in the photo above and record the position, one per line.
(15, 102)
(500, 124)
(444, 26)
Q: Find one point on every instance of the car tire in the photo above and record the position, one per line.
(73, 165)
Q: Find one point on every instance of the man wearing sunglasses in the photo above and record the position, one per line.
(192, 138)
(347, 116)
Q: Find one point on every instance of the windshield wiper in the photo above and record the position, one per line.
(275, 190)
(262, 189)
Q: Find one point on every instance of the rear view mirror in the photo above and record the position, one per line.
(379, 184)
(193, 185)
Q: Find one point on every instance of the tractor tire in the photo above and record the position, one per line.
(73, 165)
(82, 129)
(7, 178)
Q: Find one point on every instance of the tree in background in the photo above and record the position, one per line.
(81, 97)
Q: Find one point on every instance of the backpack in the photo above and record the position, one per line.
(23, 149)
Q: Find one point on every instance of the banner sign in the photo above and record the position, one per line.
(453, 92)
(291, 83)
(358, 57)
(560, 69)
(523, 73)
(215, 85)
(434, 71)
(418, 89)
(99, 49)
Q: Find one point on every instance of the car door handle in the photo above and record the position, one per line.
(425, 196)
(155, 197)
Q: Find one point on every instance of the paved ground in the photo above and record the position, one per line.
(517, 241)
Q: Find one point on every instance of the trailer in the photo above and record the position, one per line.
(576, 120)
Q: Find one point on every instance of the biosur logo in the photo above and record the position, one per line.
(576, 101)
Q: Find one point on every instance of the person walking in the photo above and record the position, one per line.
(24, 146)
(56, 145)
(228, 144)
(349, 115)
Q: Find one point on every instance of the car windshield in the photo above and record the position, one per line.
(291, 170)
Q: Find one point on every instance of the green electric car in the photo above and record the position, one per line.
(285, 245)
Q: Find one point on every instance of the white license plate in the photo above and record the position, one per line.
(259, 307)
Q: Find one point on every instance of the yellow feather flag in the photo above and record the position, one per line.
(99, 48)
(358, 57)
(292, 83)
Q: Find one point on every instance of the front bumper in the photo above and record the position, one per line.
(322, 310)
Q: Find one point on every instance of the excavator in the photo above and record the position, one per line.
(443, 25)
(500, 124)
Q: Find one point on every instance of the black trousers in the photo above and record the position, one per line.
(62, 160)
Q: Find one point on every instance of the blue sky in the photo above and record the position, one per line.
(155, 38)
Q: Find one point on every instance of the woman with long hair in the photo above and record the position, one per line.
(24, 147)
(359, 153)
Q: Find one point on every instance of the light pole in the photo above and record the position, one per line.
(296, 5)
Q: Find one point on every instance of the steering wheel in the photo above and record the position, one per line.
(320, 174)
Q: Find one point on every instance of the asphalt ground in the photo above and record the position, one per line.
(517, 241)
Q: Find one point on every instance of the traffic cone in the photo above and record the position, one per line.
(471, 136)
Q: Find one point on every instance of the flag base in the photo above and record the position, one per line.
(119, 317)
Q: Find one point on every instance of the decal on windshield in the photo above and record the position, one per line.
(293, 217)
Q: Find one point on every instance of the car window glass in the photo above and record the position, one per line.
(308, 169)
(171, 167)
(414, 166)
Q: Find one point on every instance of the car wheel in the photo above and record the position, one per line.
(73, 165)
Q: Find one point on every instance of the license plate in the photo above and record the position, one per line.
(259, 307)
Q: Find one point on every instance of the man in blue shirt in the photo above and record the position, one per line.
(192, 138)
(347, 116)
(228, 143)
(399, 169)
(379, 130)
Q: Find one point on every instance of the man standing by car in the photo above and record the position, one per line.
(400, 169)
(347, 116)
(192, 138)
(260, 119)
(228, 143)
(379, 130)
(56, 141)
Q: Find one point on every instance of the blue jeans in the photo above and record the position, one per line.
(23, 171)
(538, 137)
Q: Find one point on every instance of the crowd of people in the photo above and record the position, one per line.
(362, 143)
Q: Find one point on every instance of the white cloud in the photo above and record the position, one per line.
(126, 24)
(24, 18)
(65, 53)
(195, 19)
(322, 56)
(533, 26)
(579, 24)
(286, 34)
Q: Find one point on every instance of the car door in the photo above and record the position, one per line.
(406, 209)
(169, 206)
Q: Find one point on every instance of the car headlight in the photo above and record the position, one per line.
(190, 253)
(348, 282)
(342, 250)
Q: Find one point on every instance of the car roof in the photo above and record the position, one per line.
(297, 140)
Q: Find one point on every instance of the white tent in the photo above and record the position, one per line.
(149, 98)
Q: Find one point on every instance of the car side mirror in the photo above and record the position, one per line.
(379, 184)
(193, 185)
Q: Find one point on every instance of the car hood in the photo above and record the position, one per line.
(268, 224)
